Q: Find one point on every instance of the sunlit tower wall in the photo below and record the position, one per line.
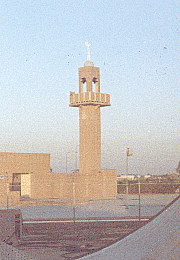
(89, 100)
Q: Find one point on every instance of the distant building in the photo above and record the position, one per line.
(129, 177)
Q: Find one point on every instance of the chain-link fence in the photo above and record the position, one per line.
(148, 188)
(7, 252)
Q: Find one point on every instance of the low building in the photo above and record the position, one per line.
(29, 175)
(15, 172)
(129, 177)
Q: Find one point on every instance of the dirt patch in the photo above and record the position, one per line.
(70, 240)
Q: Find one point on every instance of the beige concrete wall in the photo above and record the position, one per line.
(24, 163)
(7, 198)
(95, 185)
(81, 183)
(13, 198)
(60, 185)
(109, 182)
(102, 184)
(51, 185)
(3, 190)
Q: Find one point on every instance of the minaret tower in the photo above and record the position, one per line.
(89, 100)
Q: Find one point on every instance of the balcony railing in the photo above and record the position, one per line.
(89, 98)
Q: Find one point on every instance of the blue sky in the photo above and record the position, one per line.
(136, 45)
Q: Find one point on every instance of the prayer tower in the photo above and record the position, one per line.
(89, 100)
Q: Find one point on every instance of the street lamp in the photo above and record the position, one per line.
(7, 188)
(74, 198)
(126, 175)
(76, 152)
(66, 161)
(139, 184)
(128, 153)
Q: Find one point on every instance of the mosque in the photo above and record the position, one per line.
(29, 175)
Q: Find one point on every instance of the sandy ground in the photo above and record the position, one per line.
(70, 240)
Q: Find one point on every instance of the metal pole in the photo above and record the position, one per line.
(7, 184)
(76, 158)
(127, 182)
(76, 162)
(139, 199)
(66, 161)
(74, 203)
(127, 175)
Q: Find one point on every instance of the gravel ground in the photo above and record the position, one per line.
(70, 240)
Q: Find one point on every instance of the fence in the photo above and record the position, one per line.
(149, 188)
(8, 252)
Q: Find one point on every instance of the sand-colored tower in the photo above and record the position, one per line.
(89, 100)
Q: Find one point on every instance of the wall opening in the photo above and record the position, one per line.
(84, 87)
(16, 182)
(93, 87)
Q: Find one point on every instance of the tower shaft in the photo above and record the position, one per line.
(89, 139)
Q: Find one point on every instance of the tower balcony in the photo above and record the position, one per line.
(89, 98)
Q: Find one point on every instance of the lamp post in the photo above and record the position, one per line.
(66, 161)
(74, 199)
(139, 185)
(73, 180)
(129, 152)
(7, 184)
(76, 152)
(127, 175)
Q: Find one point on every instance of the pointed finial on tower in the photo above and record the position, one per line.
(88, 62)
(88, 44)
